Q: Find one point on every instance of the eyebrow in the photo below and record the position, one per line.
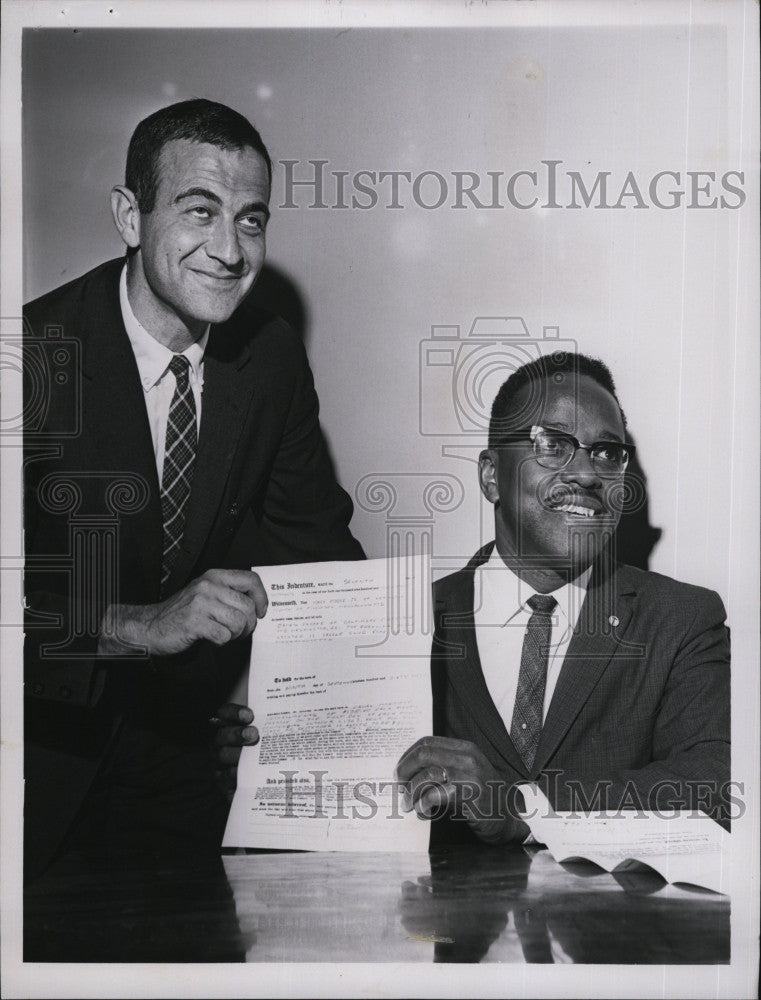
(200, 192)
(612, 436)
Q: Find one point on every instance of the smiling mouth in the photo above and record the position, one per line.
(219, 277)
(565, 501)
(573, 508)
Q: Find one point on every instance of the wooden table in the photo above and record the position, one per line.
(457, 905)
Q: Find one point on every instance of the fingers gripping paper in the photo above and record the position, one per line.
(340, 687)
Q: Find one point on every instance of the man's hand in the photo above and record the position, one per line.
(219, 606)
(448, 775)
(232, 731)
(433, 910)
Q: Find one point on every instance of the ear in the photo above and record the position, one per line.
(126, 215)
(487, 475)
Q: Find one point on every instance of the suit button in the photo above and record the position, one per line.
(65, 692)
(38, 687)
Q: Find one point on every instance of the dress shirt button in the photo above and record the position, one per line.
(38, 687)
(65, 692)
(523, 725)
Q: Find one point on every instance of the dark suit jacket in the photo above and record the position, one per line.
(640, 715)
(263, 492)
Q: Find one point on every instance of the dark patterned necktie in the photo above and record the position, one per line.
(532, 680)
(179, 460)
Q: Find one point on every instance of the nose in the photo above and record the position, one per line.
(581, 471)
(224, 246)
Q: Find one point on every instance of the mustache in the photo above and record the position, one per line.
(613, 498)
(555, 495)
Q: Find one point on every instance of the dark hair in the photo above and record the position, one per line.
(198, 120)
(556, 366)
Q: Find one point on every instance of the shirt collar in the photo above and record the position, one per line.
(504, 594)
(152, 357)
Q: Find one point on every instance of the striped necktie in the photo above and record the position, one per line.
(526, 724)
(179, 461)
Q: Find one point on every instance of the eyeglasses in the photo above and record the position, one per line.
(555, 450)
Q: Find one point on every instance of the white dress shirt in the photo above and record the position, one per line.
(157, 381)
(501, 616)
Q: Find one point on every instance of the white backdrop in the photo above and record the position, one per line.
(653, 291)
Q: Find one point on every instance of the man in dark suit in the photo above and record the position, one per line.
(177, 445)
(606, 685)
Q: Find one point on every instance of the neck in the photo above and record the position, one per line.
(155, 316)
(542, 579)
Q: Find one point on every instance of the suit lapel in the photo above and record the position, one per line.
(595, 640)
(121, 434)
(609, 598)
(227, 392)
(464, 665)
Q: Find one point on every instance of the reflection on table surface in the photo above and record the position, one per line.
(457, 905)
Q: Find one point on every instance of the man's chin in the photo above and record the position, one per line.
(571, 553)
(585, 545)
(215, 313)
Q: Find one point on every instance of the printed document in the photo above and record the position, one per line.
(681, 846)
(340, 687)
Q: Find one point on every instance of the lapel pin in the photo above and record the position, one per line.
(613, 621)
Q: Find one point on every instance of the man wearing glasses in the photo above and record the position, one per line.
(606, 685)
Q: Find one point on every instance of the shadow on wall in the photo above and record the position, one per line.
(636, 537)
(275, 291)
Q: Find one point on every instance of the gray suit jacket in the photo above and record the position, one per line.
(641, 711)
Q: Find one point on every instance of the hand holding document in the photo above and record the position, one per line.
(681, 847)
(340, 687)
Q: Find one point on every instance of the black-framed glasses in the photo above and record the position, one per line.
(555, 449)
